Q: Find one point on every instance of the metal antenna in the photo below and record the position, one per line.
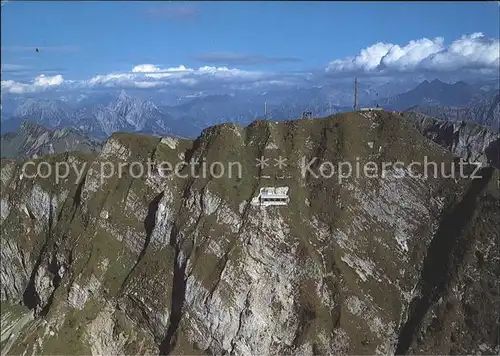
(355, 93)
(265, 110)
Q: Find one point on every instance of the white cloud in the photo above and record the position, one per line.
(151, 68)
(474, 52)
(468, 54)
(10, 86)
(112, 78)
(150, 75)
(145, 68)
(40, 83)
(147, 76)
(368, 59)
(154, 72)
(43, 81)
(409, 56)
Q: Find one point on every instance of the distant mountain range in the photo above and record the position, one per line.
(486, 112)
(437, 93)
(99, 114)
(97, 118)
(35, 140)
(125, 113)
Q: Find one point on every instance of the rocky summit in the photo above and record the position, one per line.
(180, 262)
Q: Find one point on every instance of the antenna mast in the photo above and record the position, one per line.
(355, 93)
(265, 110)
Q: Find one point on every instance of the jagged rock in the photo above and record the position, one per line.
(465, 139)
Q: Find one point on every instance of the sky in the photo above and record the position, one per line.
(149, 44)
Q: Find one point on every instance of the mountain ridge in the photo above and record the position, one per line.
(459, 94)
(486, 112)
(101, 114)
(173, 265)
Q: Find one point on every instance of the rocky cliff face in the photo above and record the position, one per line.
(177, 264)
(464, 138)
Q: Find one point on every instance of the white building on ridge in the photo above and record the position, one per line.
(271, 196)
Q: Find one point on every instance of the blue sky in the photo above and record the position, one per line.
(80, 40)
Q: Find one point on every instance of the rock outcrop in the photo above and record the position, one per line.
(465, 139)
